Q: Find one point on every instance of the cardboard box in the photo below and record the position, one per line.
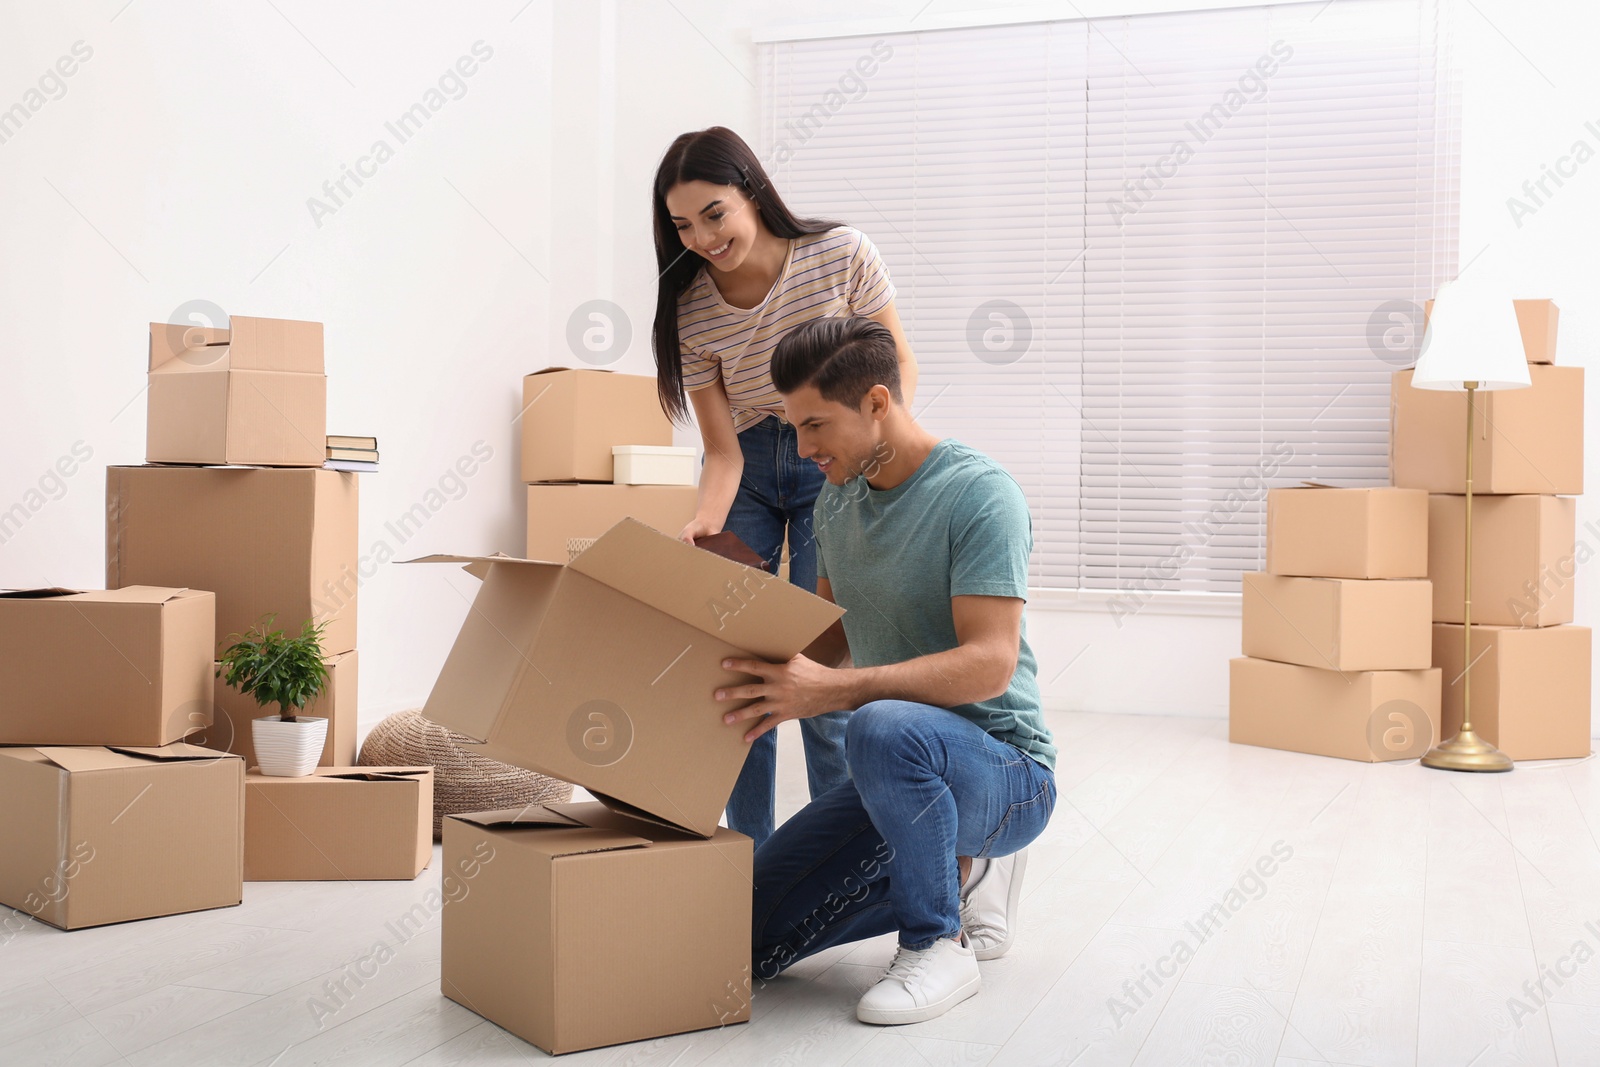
(558, 514)
(231, 730)
(1341, 624)
(1373, 716)
(338, 824)
(574, 927)
(600, 672)
(1530, 687)
(1526, 440)
(103, 835)
(252, 393)
(570, 419)
(264, 540)
(127, 666)
(1372, 532)
(1523, 558)
(1538, 320)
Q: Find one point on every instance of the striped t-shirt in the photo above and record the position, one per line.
(825, 275)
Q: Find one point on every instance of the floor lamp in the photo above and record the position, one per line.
(1472, 343)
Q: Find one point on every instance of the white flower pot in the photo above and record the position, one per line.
(289, 749)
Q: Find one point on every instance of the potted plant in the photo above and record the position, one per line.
(272, 669)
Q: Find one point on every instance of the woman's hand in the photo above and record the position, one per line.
(697, 528)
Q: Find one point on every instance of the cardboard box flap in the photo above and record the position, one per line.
(38, 594)
(175, 752)
(170, 340)
(247, 343)
(80, 758)
(745, 607)
(568, 837)
(134, 594)
(368, 774)
(556, 370)
(633, 811)
(478, 566)
(530, 815)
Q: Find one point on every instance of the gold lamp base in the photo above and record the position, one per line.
(1466, 751)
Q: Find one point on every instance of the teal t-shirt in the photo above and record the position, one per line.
(959, 526)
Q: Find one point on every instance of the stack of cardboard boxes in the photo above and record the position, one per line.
(1530, 667)
(1348, 652)
(1337, 651)
(233, 498)
(574, 423)
(579, 925)
(130, 791)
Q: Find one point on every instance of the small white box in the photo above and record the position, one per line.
(653, 465)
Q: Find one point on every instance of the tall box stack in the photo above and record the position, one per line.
(1337, 651)
(1530, 666)
(597, 449)
(233, 498)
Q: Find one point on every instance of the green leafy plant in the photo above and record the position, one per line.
(273, 669)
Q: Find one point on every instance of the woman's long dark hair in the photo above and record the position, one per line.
(721, 157)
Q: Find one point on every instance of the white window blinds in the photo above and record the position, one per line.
(1147, 263)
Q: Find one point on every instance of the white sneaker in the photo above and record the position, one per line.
(921, 985)
(989, 904)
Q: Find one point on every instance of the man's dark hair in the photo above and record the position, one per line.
(843, 358)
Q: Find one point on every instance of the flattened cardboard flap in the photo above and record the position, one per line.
(132, 594)
(177, 751)
(478, 566)
(531, 815)
(367, 774)
(96, 758)
(747, 608)
(573, 837)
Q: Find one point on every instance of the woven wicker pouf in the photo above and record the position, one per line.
(462, 779)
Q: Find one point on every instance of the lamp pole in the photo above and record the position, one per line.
(1466, 751)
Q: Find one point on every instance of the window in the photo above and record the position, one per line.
(1148, 263)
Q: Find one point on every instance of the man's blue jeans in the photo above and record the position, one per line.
(776, 497)
(878, 852)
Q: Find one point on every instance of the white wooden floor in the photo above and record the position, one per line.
(1414, 905)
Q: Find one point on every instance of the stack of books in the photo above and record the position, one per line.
(351, 453)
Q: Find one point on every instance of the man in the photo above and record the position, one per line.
(925, 543)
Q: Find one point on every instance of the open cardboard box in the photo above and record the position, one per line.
(254, 392)
(338, 824)
(600, 672)
(101, 835)
(592, 924)
(128, 666)
(583, 927)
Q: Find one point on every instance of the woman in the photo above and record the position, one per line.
(737, 271)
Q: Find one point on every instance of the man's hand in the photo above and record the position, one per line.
(797, 689)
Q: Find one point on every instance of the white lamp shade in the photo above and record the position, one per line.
(1472, 336)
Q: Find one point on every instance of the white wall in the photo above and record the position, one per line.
(179, 161)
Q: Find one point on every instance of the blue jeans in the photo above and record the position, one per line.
(776, 497)
(878, 853)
